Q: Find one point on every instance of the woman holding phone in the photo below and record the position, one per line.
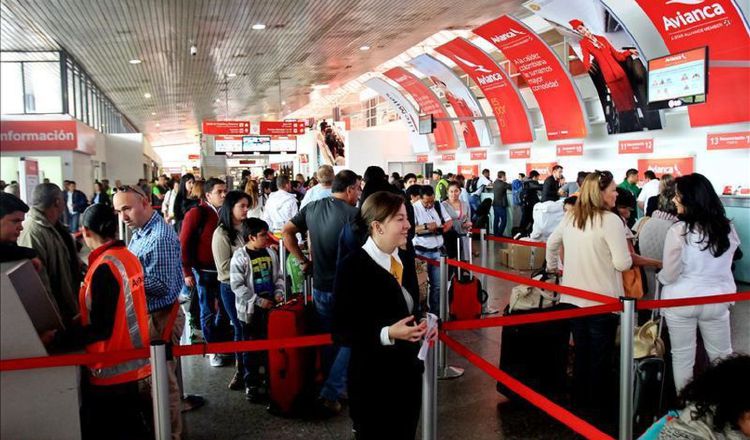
(378, 314)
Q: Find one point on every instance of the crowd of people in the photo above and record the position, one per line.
(215, 250)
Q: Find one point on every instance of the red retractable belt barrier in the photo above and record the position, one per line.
(539, 244)
(429, 261)
(511, 320)
(695, 301)
(180, 350)
(572, 291)
(566, 417)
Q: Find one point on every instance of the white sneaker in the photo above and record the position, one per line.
(215, 360)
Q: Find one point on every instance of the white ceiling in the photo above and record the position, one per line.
(306, 42)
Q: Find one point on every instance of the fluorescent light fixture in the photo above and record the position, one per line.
(147, 95)
(153, 113)
(231, 75)
(365, 47)
(258, 26)
(319, 86)
(135, 61)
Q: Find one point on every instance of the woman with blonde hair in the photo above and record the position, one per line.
(255, 208)
(596, 254)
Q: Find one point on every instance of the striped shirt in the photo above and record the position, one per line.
(157, 246)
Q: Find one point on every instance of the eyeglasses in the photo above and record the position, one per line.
(135, 189)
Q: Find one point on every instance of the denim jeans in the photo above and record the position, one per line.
(594, 384)
(73, 221)
(227, 298)
(335, 358)
(208, 292)
(433, 274)
(501, 220)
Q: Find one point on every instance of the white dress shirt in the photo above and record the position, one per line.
(384, 260)
(422, 216)
(650, 189)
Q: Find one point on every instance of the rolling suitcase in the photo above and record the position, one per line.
(465, 292)
(291, 371)
(536, 354)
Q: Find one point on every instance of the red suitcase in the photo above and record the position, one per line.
(465, 292)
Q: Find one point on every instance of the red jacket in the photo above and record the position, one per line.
(196, 251)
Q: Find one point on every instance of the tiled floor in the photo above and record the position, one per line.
(468, 407)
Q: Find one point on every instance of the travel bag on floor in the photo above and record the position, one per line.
(465, 292)
(536, 354)
(649, 369)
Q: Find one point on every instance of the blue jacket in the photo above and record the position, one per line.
(80, 203)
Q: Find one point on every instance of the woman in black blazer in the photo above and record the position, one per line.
(378, 314)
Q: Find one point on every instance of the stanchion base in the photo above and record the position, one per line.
(450, 372)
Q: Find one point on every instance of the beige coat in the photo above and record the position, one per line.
(60, 272)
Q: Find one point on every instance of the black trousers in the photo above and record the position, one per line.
(121, 412)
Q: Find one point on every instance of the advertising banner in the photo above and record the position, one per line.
(718, 24)
(728, 141)
(468, 171)
(405, 109)
(478, 155)
(570, 149)
(282, 128)
(422, 158)
(447, 157)
(445, 135)
(237, 128)
(510, 111)
(609, 55)
(543, 168)
(549, 80)
(678, 166)
(519, 153)
(635, 146)
(476, 132)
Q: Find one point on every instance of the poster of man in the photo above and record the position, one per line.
(609, 56)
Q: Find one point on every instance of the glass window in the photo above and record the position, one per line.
(11, 88)
(71, 93)
(43, 92)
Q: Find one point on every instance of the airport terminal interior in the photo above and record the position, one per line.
(375, 219)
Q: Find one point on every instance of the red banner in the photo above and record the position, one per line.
(634, 146)
(282, 128)
(678, 166)
(510, 111)
(47, 136)
(478, 155)
(570, 149)
(237, 128)
(543, 168)
(542, 70)
(447, 157)
(718, 24)
(468, 170)
(728, 141)
(519, 153)
(422, 158)
(428, 103)
(194, 157)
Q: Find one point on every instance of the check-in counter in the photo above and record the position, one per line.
(738, 210)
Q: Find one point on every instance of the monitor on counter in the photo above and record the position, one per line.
(678, 79)
(284, 145)
(261, 144)
(426, 124)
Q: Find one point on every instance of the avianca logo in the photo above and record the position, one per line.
(476, 67)
(666, 169)
(689, 17)
(508, 35)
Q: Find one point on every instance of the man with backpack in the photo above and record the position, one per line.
(441, 187)
(529, 198)
(198, 266)
(476, 191)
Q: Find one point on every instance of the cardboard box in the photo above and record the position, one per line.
(525, 257)
(503, 257)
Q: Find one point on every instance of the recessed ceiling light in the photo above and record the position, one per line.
(135, 61)
(258, 26)
(158, 125)
(146, 95)
(319, 86)
(283, 102)
(153, 113)
(218, 99)
(365, 47)
(231, 75)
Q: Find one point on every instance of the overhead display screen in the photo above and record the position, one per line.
(260, 144)
(283, 145)
(677, 79)
(228, 144)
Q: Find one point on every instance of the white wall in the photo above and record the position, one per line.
(125, 157)
(378, 146)
(82, 172)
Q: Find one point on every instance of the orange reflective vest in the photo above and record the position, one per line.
(130, 329)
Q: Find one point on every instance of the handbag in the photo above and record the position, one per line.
(647, 341)
(524, 297)
(632, 283)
